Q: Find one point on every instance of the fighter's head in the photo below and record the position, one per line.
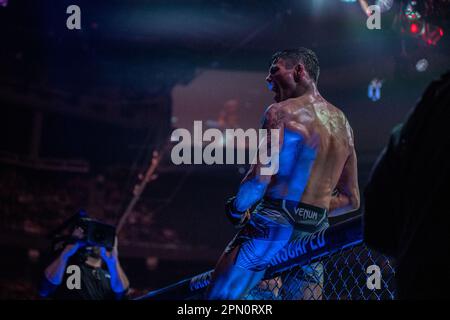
(291, 71)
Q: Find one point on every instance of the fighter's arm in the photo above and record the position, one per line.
(255, 183)
(347, 191)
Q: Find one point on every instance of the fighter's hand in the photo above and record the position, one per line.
(236, 217)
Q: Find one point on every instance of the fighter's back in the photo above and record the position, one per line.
(317, 142)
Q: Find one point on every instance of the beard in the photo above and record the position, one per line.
(94, 252)
(283, 91)
(281, 95)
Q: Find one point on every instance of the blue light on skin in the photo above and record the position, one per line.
(292, 173)
(111, 263)
(250, 192)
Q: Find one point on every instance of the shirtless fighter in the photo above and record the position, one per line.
(317, 176)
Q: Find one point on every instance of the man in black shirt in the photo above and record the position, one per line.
(77, 273)
(406, 193)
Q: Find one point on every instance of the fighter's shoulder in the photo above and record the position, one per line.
(343, 119)
(279, 112)
(339, 114)
(272, 110)
(290, 107)
(273, 113)
(334, 109)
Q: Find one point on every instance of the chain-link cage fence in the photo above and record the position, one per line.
(333, 264)
(339, 276)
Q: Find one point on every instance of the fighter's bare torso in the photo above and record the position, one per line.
(316, 164)
(317, 141)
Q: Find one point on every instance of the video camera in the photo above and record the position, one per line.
(96, 233)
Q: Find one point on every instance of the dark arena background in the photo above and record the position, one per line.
(86, 117)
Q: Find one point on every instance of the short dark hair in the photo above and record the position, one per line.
(303, 55)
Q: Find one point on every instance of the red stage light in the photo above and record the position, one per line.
(441, 32)
(414, 28)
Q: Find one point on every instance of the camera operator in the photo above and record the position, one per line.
(96, 283)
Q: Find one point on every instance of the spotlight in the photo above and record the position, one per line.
(411, 11)
(414, 28)
(374, 90)
(432, 34)
(415, 23)
(422, 65)
(3, 3)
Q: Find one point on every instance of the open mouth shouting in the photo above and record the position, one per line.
(272, 86)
